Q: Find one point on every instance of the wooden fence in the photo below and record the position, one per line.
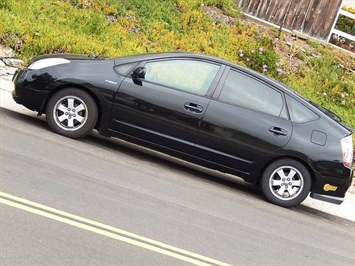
(314, 18)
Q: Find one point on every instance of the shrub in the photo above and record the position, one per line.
(113, 28)
(345, 23)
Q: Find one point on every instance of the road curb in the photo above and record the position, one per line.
(6, 85)
(6, 100)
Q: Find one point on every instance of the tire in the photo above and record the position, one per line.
(72, 113)
(286, 183)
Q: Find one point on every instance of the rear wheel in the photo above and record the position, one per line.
(286, 183)
(72, 113)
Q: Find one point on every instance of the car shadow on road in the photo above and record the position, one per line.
(323, 215)
(189, 170)
(30, 118)
(141, 153)
(176, 165)
(228, 182)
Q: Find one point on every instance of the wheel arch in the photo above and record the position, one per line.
(79, 87)
(290, 157)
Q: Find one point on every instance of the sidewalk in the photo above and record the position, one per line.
(346, 210)
(6, 100)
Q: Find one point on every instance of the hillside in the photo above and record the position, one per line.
(112, 28)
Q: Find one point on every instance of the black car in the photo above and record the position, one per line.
(201, 109)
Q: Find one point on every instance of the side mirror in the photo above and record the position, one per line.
(139, 72)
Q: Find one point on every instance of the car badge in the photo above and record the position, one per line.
(328, 187)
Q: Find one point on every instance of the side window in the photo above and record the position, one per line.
(125, 68)
(191, 76)
(247, 92)
(298, 112)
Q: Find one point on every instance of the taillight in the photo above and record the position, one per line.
(347, 150)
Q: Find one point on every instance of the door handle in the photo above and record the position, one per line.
(193, 107)
(278, 131)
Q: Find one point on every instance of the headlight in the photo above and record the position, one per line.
(48, 62)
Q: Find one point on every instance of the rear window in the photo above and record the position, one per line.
(298, 112)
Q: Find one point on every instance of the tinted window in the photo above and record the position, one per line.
(298, 112)
(191, 76)
(248, 92)
(125, 69)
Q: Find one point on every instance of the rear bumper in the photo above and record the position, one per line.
(332, 189)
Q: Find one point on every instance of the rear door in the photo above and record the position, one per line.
(167, 106)
(245, 122)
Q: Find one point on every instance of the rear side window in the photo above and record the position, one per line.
(298, 112)
(247, 92)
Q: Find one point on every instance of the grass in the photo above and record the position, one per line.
(112, 28)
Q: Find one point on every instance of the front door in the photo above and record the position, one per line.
(166, 107)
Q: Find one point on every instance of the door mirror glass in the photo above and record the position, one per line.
(139, 73)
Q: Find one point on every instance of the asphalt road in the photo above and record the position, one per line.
(98, 202)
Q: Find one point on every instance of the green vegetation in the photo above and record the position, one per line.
(114, 27)
(347, 25)
(344, 23)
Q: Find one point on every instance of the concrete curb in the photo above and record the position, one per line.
(6, 101)
(346, 210)
(6, 85)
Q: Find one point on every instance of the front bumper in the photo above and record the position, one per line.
(29, 89)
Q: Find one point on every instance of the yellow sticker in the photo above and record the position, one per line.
(329, 187)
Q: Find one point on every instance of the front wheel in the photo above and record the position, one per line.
(286, 183)
(72, 113)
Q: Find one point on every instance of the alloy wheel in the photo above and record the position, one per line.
(70, 113)
(286, 183)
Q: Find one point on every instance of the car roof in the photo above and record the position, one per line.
(188, 55)
(166, 55)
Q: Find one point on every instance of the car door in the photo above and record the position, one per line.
(167, 105)
(244, 123)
